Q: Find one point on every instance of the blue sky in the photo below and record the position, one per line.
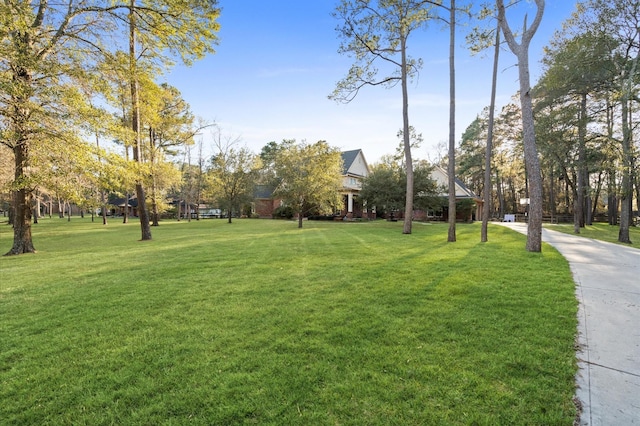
(278, 60)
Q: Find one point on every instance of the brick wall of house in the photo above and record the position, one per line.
(264, 207)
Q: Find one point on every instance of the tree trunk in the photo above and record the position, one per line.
(125, 216)
(61, 207)
(18, 129)
(612, 201)
(489, 148)
(104, 207)
(512, 190)
(588, 203)
(154, 211)
(22, 240)
(451, 169)
(143, 213)
(103, 202)
(500, 194)
(199, 181)
(594, 204)
(154, 204)
(566, 193)
(633, 178)
(408, 207)
(36, 211)
(152, 160)
(612, 209)
(532, 163)
(552, 193)
(579, 205)
(637, 185)
(577, 211)
(626, 194)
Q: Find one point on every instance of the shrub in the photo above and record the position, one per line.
(283, 212)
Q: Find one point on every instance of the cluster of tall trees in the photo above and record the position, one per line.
(76, 69)
(586, 106)
(376, 33)
(307, 177)
(565, 142)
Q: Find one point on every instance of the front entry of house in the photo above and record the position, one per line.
(353, 207)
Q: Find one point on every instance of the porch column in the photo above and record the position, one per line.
(350, 203)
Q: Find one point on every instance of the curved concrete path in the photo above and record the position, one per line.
(607, 278)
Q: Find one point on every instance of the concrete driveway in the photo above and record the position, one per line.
(607, 278)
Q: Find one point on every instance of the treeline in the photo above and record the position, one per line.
(87, 71)
(586, 109)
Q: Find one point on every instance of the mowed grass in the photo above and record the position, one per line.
(601, 231)
(258, 322)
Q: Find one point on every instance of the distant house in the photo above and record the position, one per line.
(121, 205)
(441, 176)
(355, 169)
(264, 204)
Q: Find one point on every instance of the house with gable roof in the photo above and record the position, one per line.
(441, 176)
(264, 204)
(354, 170)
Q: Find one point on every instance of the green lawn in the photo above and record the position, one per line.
(600, 231)
(258, 322)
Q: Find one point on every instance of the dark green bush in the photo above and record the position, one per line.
(283, 212)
